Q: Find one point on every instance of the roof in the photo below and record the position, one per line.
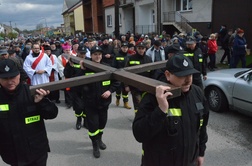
(68, 4)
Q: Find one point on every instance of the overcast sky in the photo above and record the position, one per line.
(27, 14)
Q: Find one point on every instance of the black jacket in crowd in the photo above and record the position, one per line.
(138, 59)
(92, 92)
(77, 93)
(176, 138)
(120, 59)
(197, 59)
(107, 49)
(57, 52)
(23, 136)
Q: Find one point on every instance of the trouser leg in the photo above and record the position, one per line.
(136, 98)
(97, 120)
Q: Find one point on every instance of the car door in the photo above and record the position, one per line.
(242, 93)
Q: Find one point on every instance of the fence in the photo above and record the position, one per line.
(176, 17)
(145, 29)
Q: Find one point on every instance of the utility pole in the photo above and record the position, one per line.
(159, 16)
(10, 25)
(117, 26)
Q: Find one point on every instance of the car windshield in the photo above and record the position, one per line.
(241, 72)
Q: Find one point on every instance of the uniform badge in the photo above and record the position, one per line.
(185, 63)
(6, 68)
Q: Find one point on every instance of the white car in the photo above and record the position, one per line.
(229, 89)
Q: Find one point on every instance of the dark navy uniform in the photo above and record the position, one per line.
(176, 138)
(138, 59)
(197, 59)
(120, 62)
(173, 131)
(78, 104)
(23, 138)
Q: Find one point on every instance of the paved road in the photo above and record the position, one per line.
(229, 143)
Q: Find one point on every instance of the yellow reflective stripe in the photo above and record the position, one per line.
(79, 115)
(76, 66)
(4, 107)
(143, 94)
(86, 74)
(174, 112)
(32, 119)
(148, 70)
(201, 122)
(84, 115)
(94, 134)
(120, 58)
(142, 152)
(134, 62)
(135, 111)
(125, 96)
(118, 95)
(188, 54)
(201, 60)
(101, 130)
(106, 83)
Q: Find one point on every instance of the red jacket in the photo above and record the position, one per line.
(212, 46)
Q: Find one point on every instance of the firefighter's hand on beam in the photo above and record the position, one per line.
(40, 93)
(162, 92)
(82, 65)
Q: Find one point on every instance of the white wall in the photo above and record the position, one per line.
(110, 11)
(201, 12)
(143, 15)
(127, 21)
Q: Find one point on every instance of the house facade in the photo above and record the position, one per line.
(68, 17)
(148, 16)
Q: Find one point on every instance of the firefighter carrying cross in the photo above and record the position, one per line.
(127, 75)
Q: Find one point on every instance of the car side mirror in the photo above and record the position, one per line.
(246, 77)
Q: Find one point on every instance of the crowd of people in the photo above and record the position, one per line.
(158, 121)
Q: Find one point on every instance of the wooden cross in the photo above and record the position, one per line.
(128, 75)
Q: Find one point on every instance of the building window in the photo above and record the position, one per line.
(153, 16)
(109, 20)
(186, 5)
(120, 19)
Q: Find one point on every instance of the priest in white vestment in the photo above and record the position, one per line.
(38, 66)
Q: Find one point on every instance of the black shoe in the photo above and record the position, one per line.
(78, 123)
(57, 101)
(96, 151)
(102, 145)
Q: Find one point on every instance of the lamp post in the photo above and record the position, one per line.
(4, 34)
(45, 25)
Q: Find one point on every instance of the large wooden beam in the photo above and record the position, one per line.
(126, 75)
(143, 83)
(71, 82)
(90, 64)
(146, 67)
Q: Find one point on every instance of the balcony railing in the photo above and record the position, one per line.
(176, 17)
(126, 2)
(146, 29)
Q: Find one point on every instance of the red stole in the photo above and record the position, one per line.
(51, 77)
(35, 63)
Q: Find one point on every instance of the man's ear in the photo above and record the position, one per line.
(167, 75)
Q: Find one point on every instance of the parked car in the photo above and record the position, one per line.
(229, 89)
